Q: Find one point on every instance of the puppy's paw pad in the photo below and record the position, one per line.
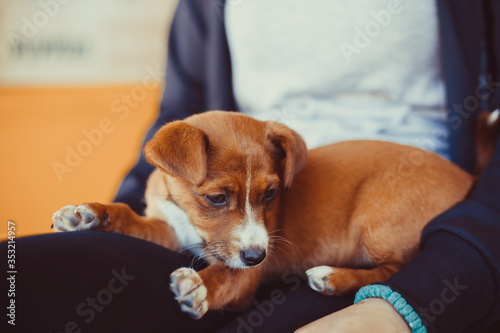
(318, 279)
(73, 218)
(189, 291)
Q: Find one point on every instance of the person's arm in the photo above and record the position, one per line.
(183, 95)
(373, 315)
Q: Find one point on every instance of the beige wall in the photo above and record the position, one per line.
(54, 42)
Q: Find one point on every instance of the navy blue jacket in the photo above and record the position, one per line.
(454, 282)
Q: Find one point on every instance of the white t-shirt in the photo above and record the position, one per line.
(340, 70)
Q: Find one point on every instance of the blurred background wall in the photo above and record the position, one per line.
(80, 83)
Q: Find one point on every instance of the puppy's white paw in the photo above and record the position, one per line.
(189, 291)
(318, 279)
(73, 218)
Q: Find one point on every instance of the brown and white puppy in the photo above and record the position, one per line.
(247, 196)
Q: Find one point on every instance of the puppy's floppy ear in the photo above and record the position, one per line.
(291, 149)
(181, 150)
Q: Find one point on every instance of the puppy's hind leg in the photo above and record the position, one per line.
(384, 248)
(344, 281)
(116, 218)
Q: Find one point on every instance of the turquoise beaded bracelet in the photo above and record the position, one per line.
(399, 303)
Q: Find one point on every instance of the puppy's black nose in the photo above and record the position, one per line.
(252, 256)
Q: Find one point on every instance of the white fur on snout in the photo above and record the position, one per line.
(252, 235)
(252, 232)
(248, 235)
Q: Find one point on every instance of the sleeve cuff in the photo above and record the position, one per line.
(397, 301)
(449, 284)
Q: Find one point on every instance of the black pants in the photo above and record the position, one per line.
(102, 282)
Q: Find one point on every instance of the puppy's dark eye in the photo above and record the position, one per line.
(217, 200)
(270, 195)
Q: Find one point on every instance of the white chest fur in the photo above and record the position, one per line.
(178, 220)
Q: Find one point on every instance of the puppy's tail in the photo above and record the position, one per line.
(486, 133)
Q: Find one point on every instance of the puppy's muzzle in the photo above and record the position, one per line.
(252, 256)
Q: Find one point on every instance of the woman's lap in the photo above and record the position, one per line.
(101, 282)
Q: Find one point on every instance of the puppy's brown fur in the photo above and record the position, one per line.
(356, 206)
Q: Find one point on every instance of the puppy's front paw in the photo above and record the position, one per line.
(319, 279)
(73, 218)
(189, 291)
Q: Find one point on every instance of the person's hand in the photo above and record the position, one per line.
(374, 315)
